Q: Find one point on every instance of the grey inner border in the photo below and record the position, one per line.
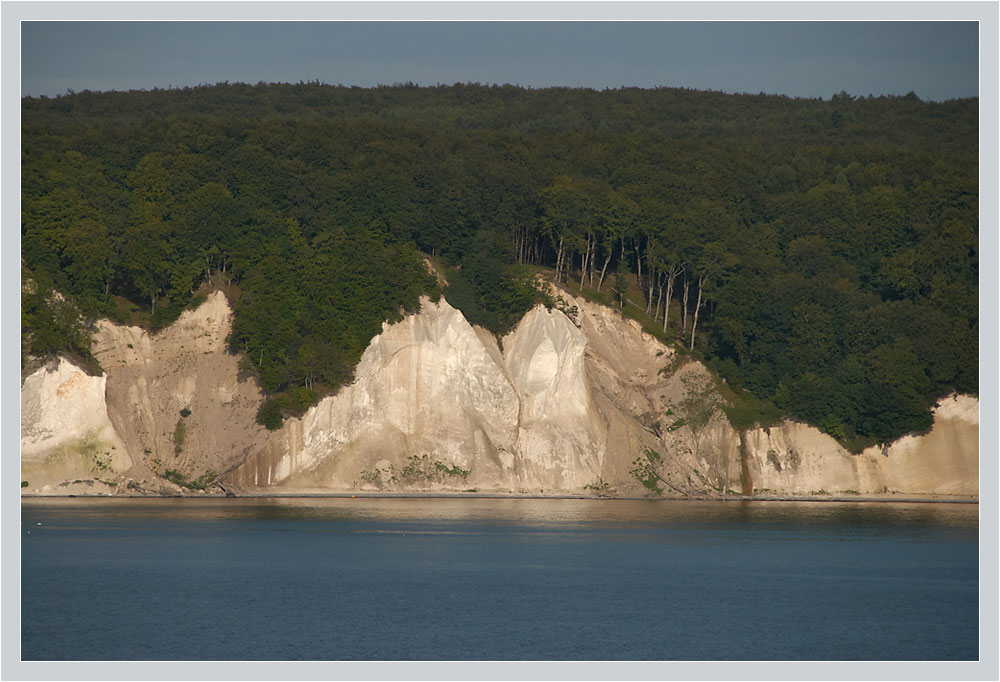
(14, 12)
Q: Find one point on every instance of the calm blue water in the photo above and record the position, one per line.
(479, 579)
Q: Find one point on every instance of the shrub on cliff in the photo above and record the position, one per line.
(269, 415)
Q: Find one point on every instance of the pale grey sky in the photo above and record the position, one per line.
(937, 60)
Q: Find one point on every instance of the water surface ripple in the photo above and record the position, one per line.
(495, 579)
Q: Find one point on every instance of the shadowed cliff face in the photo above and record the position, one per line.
(558, 404)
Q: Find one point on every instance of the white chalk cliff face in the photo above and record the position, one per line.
(559, 404)
(566, 404)
(425, 386)
(560, 436)
(433, 386)
(799, 459)
(125, 431)
(66, 434)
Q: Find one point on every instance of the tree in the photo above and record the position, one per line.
(620, 286)
(127, 198)
(563, 215)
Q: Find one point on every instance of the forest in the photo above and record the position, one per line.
(821, 255)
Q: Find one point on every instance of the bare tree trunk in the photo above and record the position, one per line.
(592, 243)
(648, 291)
(659, 295)
(583, 266)
(604, 269)
(694, 323)
(559, 261)
(653, 276)
(638, 266)
(523, 252)
(671, 276)
(684, 306)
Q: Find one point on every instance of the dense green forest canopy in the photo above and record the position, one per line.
(820, 254)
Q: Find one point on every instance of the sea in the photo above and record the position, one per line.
(485, 579)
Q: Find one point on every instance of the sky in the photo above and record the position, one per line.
(936, 60)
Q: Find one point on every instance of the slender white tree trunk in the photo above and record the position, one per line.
(652, 277)
(659, 295)
(666, 305)
(638, 265)
(604, 269)
(684, 307)
(592, 249)
(648, 290)
(694, 323)
(559, 261)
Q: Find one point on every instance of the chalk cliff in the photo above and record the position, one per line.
(799, 459)
(66, 435)
(564, 403)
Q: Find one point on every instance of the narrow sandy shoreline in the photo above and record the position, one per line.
(908, 499)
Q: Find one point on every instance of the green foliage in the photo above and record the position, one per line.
(600, 487)
(179, 433)
(176, 477)
(646, 468)
(302, 399)
(620, 287)
(185, 412)
(829, 248)
(51, 325)
(488, 290)
(422, 469)
(101, 460)
(269, 414)
(419, 470)
(378, 477)
(24, 484)
(570, 311)
(746, 411)
(699, 406)
(179, 478)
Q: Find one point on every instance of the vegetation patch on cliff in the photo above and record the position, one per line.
(418, 471)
